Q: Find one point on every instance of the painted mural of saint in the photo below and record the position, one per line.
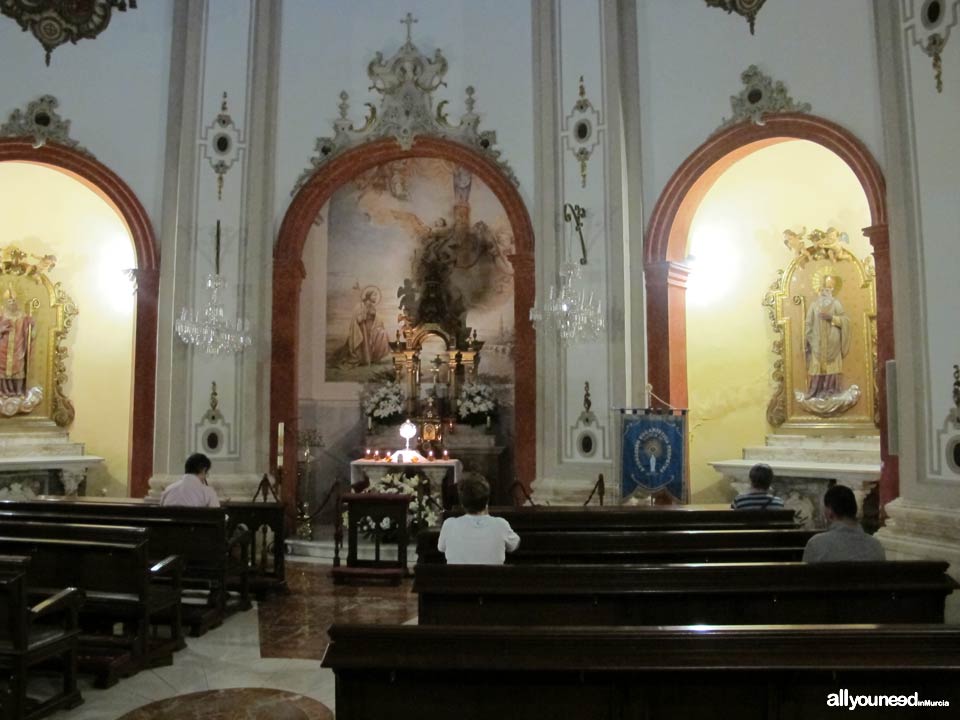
(16, 333)
(366, 342)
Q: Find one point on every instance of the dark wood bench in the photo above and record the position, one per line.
(265, 542)
(674, 517)
(32, 633)
(123, 589)
(784, 672)
(642, 546)
(197, 535)
(715, 594)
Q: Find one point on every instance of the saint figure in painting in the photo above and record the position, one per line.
(827, 342)
(16, 333)
(366, 342)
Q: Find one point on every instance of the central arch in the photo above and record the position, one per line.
(665, 243)
(289, 272)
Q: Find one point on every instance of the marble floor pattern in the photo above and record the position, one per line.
(276, 645)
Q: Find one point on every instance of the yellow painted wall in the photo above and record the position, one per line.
(736, 240)
(43, 210)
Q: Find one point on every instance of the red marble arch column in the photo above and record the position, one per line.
(666, 241)
(117, 193)
(288, 274)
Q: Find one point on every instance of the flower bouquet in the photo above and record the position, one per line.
(477, 404)
(383, 403)
(423, 511)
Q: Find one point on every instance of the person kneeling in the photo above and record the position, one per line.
(476, 538)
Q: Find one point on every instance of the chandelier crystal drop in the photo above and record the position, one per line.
(208, 329)
(571, 311)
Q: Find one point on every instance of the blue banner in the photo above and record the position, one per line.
(653, 456)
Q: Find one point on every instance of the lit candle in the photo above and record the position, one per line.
(446, 454)
(279, 446)
(430, 455)
(368, 453)
(376, 454)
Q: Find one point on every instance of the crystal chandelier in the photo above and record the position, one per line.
(208, 328)
(571, 311)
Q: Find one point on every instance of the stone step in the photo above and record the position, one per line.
(770, 454)
(825, 441)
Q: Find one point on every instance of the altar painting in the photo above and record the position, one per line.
(391, 233)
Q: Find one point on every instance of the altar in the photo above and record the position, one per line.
(443, 475)
(43, 462)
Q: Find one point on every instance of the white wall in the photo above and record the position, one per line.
(691, 58)
(113, 89)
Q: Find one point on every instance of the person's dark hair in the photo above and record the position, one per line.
(474, 493)
(841, 500)
(761, 476)
(196, 464)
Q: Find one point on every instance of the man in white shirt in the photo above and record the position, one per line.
(476, 538)
(192, 489)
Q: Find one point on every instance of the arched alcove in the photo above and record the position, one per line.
(96, 176)
(665, 248)
(289, 272)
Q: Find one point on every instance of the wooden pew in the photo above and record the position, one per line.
(111, 565)
(197, 535)
(620, 517)
(715, 594)
(786, 672)
(31, 634)
(266, 521)
(640, 546)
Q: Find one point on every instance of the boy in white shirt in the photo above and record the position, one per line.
(476, 538)
(192, 489)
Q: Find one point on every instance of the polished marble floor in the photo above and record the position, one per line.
(277, 645)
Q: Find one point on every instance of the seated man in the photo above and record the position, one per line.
(758, 497)
(192, 489)
(476, 538)
(845, 540)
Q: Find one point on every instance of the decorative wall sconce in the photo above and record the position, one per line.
(744, 8)
(933, 31)
(582, 136)
(223, 143)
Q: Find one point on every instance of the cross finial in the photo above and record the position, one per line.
(409, 20)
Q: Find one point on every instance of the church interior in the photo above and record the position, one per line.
(355, 253)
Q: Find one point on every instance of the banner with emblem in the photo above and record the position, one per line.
(653, 453)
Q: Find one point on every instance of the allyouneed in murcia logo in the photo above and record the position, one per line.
(845, 699)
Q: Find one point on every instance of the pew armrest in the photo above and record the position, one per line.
(172, 567)
(67, 601)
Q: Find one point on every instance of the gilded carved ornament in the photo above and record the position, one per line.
(745, 8)
(581, 134)
(406, 83)
(223, 143)
(41, 122)
(55, 22)
(761, 96)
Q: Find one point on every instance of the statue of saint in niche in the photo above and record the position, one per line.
(827, 336)
(827, 341)
(17, 331)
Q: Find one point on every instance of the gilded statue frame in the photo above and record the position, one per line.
(816, 257)
(25, 283)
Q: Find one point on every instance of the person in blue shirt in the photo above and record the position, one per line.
(759, 496)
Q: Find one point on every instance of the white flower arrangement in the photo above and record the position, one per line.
(477, 402)
(384, 401)
(421, 513)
